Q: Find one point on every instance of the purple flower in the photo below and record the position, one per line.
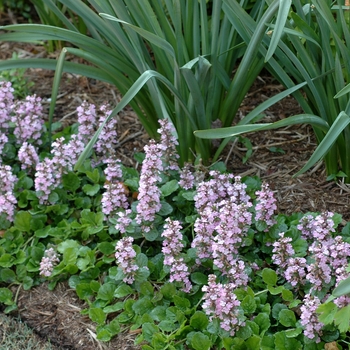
(3, 141)
(320, 227)
(266, 206)
(125, 256)
(48, 262)
(107, 140)
(149, 193)
(234, 222)
(47, 178)
(309, 319)
(167, 144)
(115, 196)
(6, 102)
(283, 251)
(221, 303)
(28, 118)
(172, 247)
(186, 177)
(123, 220)
(28, 156)
(87, 119)
(295, 272)
(7, 199)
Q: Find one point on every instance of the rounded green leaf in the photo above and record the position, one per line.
(287, 318)
(199, 321)
(269, 276)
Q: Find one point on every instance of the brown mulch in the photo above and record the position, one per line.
(56, 315)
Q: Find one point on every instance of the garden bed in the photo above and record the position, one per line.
(276, 157)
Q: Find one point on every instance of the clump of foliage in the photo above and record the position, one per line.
(170, 59)
(314, 49)
(193, 257)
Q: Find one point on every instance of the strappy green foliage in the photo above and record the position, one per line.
(314, 48)
(170, 59)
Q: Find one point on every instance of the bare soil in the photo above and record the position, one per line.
(56, 315)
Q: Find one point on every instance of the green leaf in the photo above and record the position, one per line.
(166, 209)
(106, 248)
(6, 296)
(7, 276)
(94, 176)
(284, 343)
(293, 332)
(276, 309)
(6, 260)
(199, 278)
(169, 188)
(142, 306)
(148, 330)
(275, 290)
(253, 342)
(189, 195)
(269, 276)
(343, 288)
(338, 126)
(200, 341)
(70, 181)
(22, 221)
(84, 291)
(342, 319)
(91, 190)
(97, 315)
(199, 321)
(152, 235)
(114, 308)
(181, 303)
(287, 295)
(263, 321)
(326, 312)
(167, 326)
(122, 291)
(106, 292)
(287, 318)
(283, 12)
(248, 304)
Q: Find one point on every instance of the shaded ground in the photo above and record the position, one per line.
(56, 315)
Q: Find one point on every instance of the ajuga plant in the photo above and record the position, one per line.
(314, 48)
(186, 257)
(183, 60)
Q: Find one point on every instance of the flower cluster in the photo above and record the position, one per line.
(220, 302)
(172, 247)
(309, 319)
(324, 265)
(28, 156)
(115, 196)
(7, 199)
(89, 120)
(48, 262)
(266, 206)
(28, 119)
(125, 256)
(49, 172)
(107, 140)
(167, 144)
(149, 193)
(234, 221)
(6, 102)
(186, 177)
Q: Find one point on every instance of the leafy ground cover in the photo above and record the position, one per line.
(240, 151)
